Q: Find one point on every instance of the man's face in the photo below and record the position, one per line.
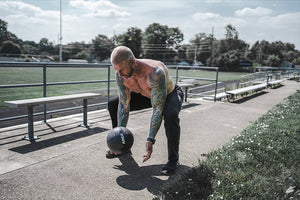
(124, 69)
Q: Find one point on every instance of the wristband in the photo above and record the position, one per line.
(151, 140)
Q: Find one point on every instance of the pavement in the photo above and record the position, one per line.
(68, 162)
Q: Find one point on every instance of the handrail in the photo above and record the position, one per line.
(250, 75)
(49, 64)
(44, 66)
(196, 78)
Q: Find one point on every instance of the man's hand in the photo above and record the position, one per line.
(149, 150)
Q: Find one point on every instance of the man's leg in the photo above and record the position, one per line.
(137, 102)
(172, 127)
(113, 110)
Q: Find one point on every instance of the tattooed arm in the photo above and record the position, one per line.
(158, 84)
(124, 102)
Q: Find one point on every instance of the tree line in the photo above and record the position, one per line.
(160, 42)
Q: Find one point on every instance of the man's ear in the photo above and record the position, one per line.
(132, 61)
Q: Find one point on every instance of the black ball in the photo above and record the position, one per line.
(120, 140)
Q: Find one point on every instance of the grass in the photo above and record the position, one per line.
(35, 75)
(261, 163)
(222, 76)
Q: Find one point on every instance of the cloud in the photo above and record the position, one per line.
(213, 1)
(31, 22)
(101, 8)
(258, 11)
(19, 7)
(205, 16)
(91, 4)
(286, 21)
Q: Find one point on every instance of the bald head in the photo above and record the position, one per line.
(121, 53)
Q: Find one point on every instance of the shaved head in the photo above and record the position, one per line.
(121, 53)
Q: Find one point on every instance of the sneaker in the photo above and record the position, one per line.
(169, 168)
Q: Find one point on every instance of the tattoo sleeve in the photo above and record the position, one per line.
(124, 102)
(158, 84)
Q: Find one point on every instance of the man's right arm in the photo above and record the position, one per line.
(124, 101)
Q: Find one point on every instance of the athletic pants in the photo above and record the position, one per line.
(170, 115)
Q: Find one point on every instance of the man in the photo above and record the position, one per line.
(145, 83)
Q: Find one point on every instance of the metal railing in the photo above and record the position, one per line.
(250, 79)
(45, 84)
(214, 80)
(280, 72)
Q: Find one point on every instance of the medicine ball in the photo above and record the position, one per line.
(119, 140)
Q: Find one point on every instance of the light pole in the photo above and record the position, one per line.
(60, 34)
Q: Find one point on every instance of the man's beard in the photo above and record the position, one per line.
(130, 73)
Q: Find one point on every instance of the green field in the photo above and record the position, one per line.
(27, 75)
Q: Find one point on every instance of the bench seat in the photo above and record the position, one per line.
(252, 88)
(30, 103)
(271, 83)
(247, 89)
(218, 96)
(45, 100)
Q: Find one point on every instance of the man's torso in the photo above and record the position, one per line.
(139, 82)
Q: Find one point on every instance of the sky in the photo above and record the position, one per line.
(83, 20)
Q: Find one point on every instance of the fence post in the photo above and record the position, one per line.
(45, 90)
(216, 87)
(176, 74)
(108, 83)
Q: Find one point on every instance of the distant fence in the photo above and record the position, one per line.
(280, 72)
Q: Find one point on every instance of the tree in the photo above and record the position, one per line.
(101, 47)
(46, 46)
(76, 49)
(3, 31)
(296, 61)
(161, 42)
(229, 61)
(133, 40)
(200, 49)
(290, 56)
(228, 52)
(232, 42)
(80, 55)
(182, 55)
(8, 47)
(273, 61)
(231, 32)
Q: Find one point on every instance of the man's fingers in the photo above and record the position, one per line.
(146, 157)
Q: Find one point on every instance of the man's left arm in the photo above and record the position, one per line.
(158, 84)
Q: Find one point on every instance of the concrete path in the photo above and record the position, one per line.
(68, 162)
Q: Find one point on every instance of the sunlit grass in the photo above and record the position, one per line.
(261, 163)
